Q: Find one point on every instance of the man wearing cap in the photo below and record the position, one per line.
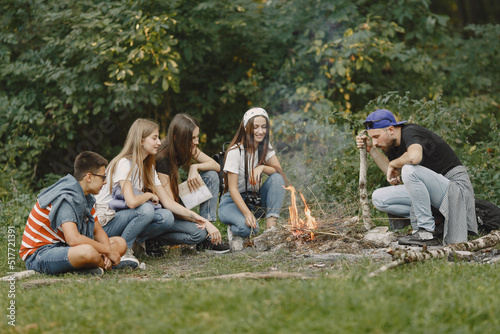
(424, 172)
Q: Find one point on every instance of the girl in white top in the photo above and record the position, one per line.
(236, 208)
(133, 170)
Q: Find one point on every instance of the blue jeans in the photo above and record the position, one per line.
(139, 224)
(51, 259)
(185, 232)
(422, 188)
(208, 209)
(272, 195)
(182, 232)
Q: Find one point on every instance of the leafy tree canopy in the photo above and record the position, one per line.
(75, 74)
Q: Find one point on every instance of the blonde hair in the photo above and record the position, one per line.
(132, 150)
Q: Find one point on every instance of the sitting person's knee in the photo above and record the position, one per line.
(199, 236)
(165, 218)
(408, 172)
(378, 200)
(83, 255)
(242, 231)
(118, 244)
(146, 210)
(277, 179)
(211, 174)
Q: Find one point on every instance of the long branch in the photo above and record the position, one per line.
(363, 192)
(405, 256)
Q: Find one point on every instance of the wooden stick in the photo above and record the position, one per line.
(406, 256)
(336, 234)
(317, 202)
(385, 267)
(363, 192)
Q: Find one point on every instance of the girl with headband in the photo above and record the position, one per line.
(249, 156)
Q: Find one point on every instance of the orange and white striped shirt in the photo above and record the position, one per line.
(38, 232)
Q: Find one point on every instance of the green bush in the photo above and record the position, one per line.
(74, 75)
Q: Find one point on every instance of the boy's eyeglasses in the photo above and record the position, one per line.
(103, 176)
(369, 124)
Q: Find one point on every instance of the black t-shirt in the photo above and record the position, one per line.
(162, 166)
(437, 154)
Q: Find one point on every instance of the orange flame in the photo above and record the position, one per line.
(298, 225)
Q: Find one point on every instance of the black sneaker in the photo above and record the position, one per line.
(153, 248)
(420, 238)
(207, 245)
(91, 271)
(397, 222)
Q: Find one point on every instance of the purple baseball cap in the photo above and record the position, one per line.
(381, 118)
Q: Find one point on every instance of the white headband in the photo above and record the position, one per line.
(252, 113)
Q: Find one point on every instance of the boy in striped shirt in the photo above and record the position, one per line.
(62, 233)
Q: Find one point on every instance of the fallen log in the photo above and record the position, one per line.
(406, 256)
(50, 281)
(363, 192)
(18, 275)
(243, 275)
(259, 275)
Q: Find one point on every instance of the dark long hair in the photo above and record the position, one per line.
(245, 137)
(177, 149)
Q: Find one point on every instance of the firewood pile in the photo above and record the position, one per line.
(332, 234)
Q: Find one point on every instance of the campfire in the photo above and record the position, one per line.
(330, 232)
(299, 226)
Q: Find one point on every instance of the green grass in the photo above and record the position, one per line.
(431, 297)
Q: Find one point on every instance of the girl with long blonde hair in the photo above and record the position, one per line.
(132, 175)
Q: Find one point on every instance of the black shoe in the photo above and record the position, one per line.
(420, 238)
(397, 222)
(91, 271)
(153, 248)
(207, 245)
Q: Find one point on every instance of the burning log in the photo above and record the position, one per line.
(297, 223)
(363, 192)
(406, 256)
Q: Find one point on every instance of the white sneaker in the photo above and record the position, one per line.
(422, 234)
(235, 242)
(420, 238)
(128, 260)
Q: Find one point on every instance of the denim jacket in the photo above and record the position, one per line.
(69, 204)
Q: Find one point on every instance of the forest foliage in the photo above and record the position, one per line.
(75, 74)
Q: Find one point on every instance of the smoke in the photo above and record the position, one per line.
(313, 155)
